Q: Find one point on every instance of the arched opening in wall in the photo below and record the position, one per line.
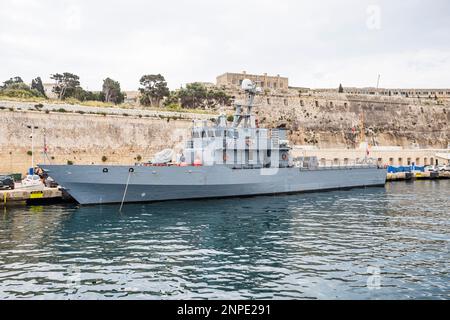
(316, 103)
(400, 161)
(286, 103)
(408, 161)
(425, 161)
(323, 162)
(391, 161)
(380, 161)
(302, 103)
(331, 104)
(345, 161)
(437, 162)
(417, 161)
(336, 161)
(268, 101)
(345, 104)
(431, 161)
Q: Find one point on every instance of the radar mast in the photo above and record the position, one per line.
(244, 111)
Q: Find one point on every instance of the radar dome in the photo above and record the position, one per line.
(247, 84)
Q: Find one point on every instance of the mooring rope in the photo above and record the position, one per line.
(125, 192)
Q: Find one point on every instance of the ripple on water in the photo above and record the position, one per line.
(365, 243)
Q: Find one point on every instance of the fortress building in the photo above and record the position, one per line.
(401, 93)
(234, 80)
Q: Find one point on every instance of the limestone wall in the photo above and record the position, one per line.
(84, 139)
(322, 120)
(335, 120)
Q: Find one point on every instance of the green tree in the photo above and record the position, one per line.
(111, 91)
(196, 95)
(193, 95)
(16, 88)
(217, 97)
(12, 81)
(172, 99)
(341, 89)
(66, 84)
(38, 86)
(154, 89)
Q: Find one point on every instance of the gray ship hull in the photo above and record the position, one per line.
(92, 185)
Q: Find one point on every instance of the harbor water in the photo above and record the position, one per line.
(374, 243)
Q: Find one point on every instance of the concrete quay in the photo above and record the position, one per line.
(405, 176)
(30, 196)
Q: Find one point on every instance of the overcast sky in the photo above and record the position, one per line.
(315, 43)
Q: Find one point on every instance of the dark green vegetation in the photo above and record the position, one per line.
(154, 89)
(16, 88)
(111, 91)
(153, 92)
(196, 95)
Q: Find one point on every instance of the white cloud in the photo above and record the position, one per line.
(316, 44)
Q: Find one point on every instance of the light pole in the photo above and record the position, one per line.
(448, 153)
(32, 145)
(378, 83)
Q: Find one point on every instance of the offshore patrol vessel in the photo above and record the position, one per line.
(219, 160)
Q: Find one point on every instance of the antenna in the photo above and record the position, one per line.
(251, 90)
